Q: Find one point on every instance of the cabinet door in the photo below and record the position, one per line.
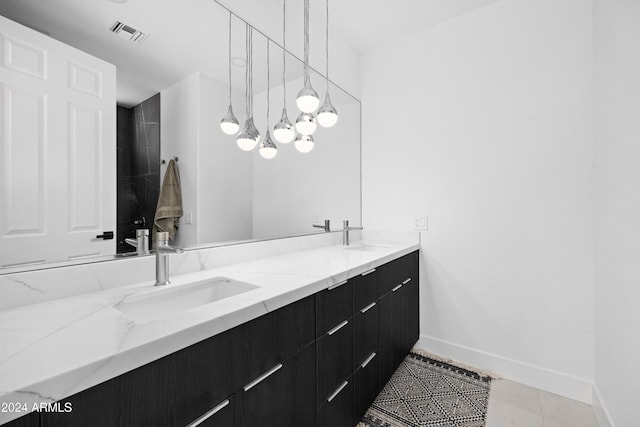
(221, 415)
(30, 420)
(366, 332)
(338, 411)
(366, 386)
(366, 288)
(333, 305)
(335, 359)
(268, 340)
(284, 395)
(385, 348)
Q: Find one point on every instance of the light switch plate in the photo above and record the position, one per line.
(421, 223)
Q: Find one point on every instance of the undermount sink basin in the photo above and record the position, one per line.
(365, 247)
(162, 303)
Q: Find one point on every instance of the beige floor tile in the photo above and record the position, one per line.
(560, 411)
(517, 395)
(501, 414)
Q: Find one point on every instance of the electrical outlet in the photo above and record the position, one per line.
(421, 223)
(188, 218)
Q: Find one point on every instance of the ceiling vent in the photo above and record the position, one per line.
(128, 33)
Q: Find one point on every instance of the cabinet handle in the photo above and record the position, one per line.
(406, 281)
(369, 359)
(368, 272)
(337, 328)
(396, 288)
(367, 308)
(338, 390)
(262, 377)
(210, 413)
(337, 285)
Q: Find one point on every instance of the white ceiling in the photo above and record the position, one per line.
(191, 35)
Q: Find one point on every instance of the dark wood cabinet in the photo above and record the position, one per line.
(366, 334)
(338, 412)
(335, 359)
(221, 415)
(319, 361)
(29, 420)
(367, 385)
(333, 305)
(272, 338)
(282, 396)
(399, 314)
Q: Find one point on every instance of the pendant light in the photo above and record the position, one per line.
(306, 124)
(268, 149)
(248, 138)
(283, 130)
(327, 114)
(307, 100)
(304, 143)
(229, 124)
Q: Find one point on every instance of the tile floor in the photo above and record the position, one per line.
(513, 404)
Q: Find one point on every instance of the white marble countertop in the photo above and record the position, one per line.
(54, 349)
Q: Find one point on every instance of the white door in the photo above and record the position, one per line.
(57, 150)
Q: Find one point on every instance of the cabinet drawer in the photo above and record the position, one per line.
(365, 333)
(335, 359)
(272, 338)
(366, 385)
(221, 415)
(333, 305)
(284, 395)
(366, 288)
(30, 420)
(339, 411)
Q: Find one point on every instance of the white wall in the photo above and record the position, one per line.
(484, 123)
(617, 292)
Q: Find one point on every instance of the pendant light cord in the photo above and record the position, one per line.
(326, 46)
(284, 49)
(246, 70)
(230, 16)
(306, 41)
(268, 83)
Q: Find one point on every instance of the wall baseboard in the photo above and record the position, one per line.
(580, 389)
(602, 414)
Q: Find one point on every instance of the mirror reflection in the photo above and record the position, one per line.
(138, 89)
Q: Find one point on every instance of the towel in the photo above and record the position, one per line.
(169, 208)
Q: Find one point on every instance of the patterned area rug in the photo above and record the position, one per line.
(428, 392)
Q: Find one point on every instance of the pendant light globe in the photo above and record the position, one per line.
(304, 143)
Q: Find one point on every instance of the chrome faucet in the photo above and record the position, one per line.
(345, 232)
(141, 243)
(326, 227)
(162, 263)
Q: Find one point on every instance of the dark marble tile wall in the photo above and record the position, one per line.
(139, 175)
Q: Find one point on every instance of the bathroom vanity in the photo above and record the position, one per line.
(301, 348)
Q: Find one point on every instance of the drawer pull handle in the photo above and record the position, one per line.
(337, 328)
(262, 377)
(337, 285)
(338, 390)
(368, 272)
(369, 359)
(396, 288)
(210, 413)
(406, 281)
(367, 308)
